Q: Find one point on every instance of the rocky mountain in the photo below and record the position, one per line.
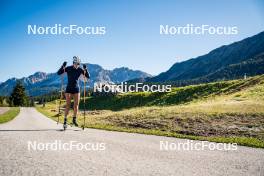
(226, 62)
(41, 83)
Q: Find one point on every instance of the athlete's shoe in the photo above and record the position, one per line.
(74, 121)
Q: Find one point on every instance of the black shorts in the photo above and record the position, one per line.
(72, 90)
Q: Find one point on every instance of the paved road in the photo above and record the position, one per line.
(124, 154)
(3, 109)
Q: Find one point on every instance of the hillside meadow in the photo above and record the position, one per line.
(225, 111)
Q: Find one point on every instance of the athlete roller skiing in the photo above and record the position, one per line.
(73, 89)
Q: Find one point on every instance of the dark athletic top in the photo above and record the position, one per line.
(73, 76)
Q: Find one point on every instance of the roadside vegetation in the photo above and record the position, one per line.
(17, 98)
(225, 111)
(9, 115)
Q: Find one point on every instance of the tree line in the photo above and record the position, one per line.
(18, 97)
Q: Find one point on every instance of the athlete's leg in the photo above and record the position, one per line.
(68, 104)
(76, 98)
(67, 108)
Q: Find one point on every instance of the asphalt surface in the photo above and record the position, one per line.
(110, 153)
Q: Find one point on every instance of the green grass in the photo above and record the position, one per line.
(93, 123)
(9, 115)
(177, 96)
(227, 111)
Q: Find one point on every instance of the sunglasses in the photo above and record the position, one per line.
(76, 63)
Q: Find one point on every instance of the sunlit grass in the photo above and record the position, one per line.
(232, 113)
(9, 115)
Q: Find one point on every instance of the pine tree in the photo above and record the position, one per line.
(18, 96)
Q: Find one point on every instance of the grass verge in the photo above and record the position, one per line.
(9, 115)
(93, 122)
(245, 141)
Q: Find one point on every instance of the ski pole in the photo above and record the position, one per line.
(61, 96)
(84, 83)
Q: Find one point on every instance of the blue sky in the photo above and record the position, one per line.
(132, 38)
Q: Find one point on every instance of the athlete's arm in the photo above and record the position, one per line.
(62, 69)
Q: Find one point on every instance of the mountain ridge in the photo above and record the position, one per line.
(41, 82)
(218, 58)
